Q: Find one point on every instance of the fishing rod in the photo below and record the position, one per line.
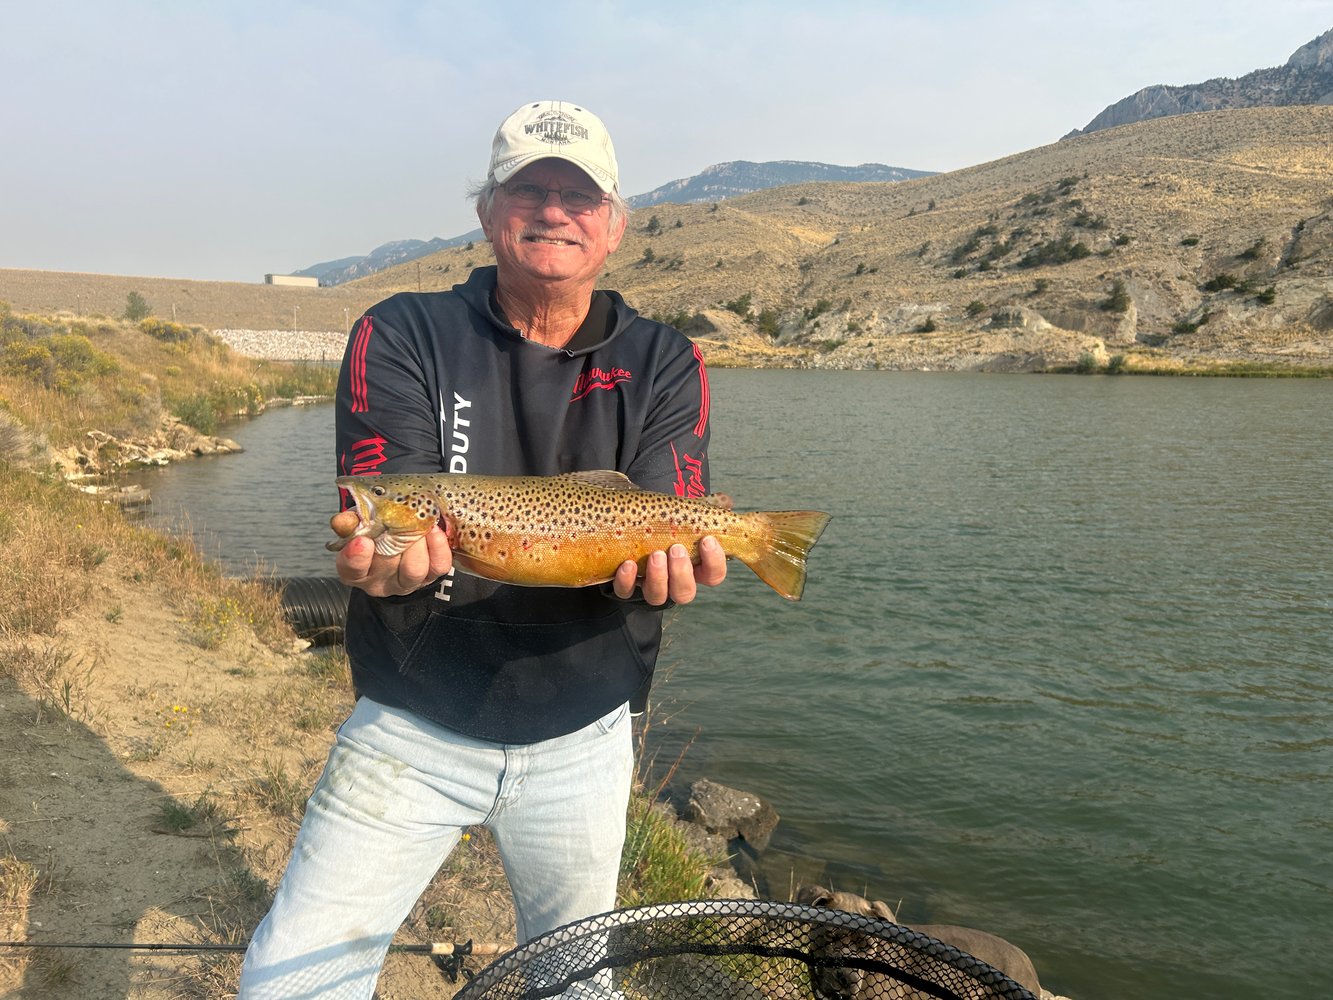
(468, 947)
(447, 955)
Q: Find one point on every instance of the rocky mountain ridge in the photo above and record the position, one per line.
(715, 183)
(335, 272)
(1198, 236)
(1189, 240)
(1305, 78)
(738, 177)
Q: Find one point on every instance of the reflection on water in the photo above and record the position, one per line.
(1061, 670)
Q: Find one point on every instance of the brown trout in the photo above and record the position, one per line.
(571, 530)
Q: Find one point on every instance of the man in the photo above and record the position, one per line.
(481, 703)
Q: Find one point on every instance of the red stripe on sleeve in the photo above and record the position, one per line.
(702, 425)
(358, 367)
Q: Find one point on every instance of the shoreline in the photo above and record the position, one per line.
(327, 347)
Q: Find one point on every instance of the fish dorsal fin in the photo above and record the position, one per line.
(607, 479)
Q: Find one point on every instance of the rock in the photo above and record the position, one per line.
(731, 813)
(722, 885)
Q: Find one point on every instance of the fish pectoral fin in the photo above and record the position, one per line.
(607, 479)
(479, 567)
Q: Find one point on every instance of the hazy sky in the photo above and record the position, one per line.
(224, 140)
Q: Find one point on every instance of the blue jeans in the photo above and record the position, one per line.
(392, 802)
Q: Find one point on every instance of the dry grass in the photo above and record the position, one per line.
(67, 376)
(19, 879)
(54, 536)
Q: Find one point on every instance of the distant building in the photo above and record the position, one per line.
(291, 279)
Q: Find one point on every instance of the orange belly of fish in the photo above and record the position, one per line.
(580, 561)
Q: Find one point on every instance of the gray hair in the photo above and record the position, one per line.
(483, 193)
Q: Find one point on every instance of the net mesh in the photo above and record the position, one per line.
(732, 949)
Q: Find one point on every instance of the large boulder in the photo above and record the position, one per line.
(731, 813)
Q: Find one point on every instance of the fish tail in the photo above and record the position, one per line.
(781, 564)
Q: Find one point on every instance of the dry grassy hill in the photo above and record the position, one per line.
(1204, 236)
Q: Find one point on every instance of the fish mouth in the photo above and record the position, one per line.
(361, 496)
(366, 526)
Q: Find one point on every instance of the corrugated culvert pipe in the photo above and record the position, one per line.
(316, 607)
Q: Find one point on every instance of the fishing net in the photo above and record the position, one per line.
(737, 949)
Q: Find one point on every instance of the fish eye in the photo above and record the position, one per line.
(379, 491)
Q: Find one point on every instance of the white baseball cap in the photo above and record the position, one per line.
(555, 130)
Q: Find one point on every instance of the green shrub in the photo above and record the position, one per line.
(767, 321)
(196, 411)
(136, 307)
(30, 360)
(1268, 296)
(1087, 364)
(1190, 241)
(168, 332)
(1118, 300)
(1221, 282)
(1086, 220)
(1060, 251)
(820, 307)
(963, 250)
(75, 353)
(740, 305)
(657, 863)
(1115, 364)
(1254, 252)
(1185, 326)
(678, 319)
(26, 327)
(974, 308)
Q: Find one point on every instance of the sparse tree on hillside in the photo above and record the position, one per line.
(136, 308)
(1118, 300)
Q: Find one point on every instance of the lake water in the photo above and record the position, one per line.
(1061, 670)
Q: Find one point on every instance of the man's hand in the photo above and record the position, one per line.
(421, 563)
(671, 575)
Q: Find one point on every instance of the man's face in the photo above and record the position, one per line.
(549, 242)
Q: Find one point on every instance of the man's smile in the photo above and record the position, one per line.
(559, 241)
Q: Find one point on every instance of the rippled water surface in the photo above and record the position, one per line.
(1061, 671)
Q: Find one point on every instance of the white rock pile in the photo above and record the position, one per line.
(286, 345)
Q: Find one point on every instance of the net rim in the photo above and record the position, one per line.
(565, 935)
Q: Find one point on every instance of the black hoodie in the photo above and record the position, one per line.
(441, 382)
